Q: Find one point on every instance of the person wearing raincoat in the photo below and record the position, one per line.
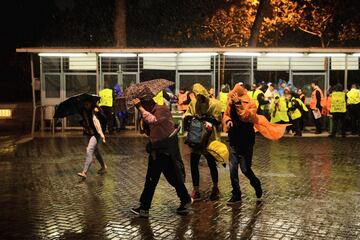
(120, 112)
(278, 110)
(240, 121)
(296, 109)
(207, 110)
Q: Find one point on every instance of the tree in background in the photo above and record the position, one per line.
(120, 23)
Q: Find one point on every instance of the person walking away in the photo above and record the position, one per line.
(164, 155)
(93, 130)
(208, 110)
(353, 100)
(316, 105)
(241, 136)
(296, 109)
(106, 104)
(338, 110)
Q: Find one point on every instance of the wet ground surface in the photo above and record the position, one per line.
(312, 191)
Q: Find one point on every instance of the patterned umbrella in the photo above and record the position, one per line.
(147, 89)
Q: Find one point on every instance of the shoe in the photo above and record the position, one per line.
(195, 195)
(234, 200)
(81, 174)
(258, 191)
(331, 136)
(102, 170)
(214, 194)
(183, 209)
(140, 212)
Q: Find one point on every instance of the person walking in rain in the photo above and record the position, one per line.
(93, 130)
(207, 110)
(164, 155)
(239, 121)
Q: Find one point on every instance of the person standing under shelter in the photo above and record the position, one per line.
(354, 108)
(164, 155)
(316, 105)
(183, 100)
(223, 96)
(106, 104)
(338, 110)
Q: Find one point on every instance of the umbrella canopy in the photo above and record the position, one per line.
(147, 89)
(73, 104)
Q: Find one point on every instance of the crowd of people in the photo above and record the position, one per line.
(241, 112)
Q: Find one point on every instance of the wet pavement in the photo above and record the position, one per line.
(312, 191)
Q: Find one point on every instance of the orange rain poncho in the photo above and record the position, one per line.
(247, 112)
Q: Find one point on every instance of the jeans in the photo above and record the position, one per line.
(194, 162)
(91, 149)
(244, 159)
(109, 117)
(166, 165)
(338, 118)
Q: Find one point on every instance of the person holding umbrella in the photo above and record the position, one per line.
(93, 130)
(163, 148)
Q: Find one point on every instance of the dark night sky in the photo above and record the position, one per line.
(73, 23)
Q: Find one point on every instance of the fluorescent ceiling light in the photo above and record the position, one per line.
(284, 54)
(356, 54)
(243, 54)
(326, 54)
(157, 54)
(62, 54)
(199, 54)
(117, 55)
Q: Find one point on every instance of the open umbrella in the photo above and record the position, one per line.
(147, 89)
(73, 104)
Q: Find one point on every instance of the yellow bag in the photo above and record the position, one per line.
(219, 151)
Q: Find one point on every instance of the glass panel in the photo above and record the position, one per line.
(76, 84)
(51, 64)
(304, 82)
(111, 80)
(52, 86)
(128, 79)
(240, 77)
(187, 81)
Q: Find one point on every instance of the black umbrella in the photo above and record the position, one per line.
(73, 104)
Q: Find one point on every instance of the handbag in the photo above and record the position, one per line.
(198, 135)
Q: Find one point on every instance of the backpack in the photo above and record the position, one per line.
(198, 136)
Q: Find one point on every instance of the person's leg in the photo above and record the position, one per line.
(245, 166)
(214, 176)
(152, 178)
(194, 164)
(173, 176)
(234, 175)
(353, 118)
(335, 118)
(89, 155)
(296, 126)
(342, 123)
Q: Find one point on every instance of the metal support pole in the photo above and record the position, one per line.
(346, 72)
(252, 71)
(219, 71)
(33, 96)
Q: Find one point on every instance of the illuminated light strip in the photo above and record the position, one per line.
(203, 54)
(243, 54)
(157, 55)
(355, 54)
(62, 54)
(284, 54)
(326, 54)
(117, 55)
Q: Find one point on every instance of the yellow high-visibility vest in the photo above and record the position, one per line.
(353, 96)
(338, 102)
(223, 97)
(106, 97)
(297, 113)
(255, 96)
(159, 98)
(280, 113)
